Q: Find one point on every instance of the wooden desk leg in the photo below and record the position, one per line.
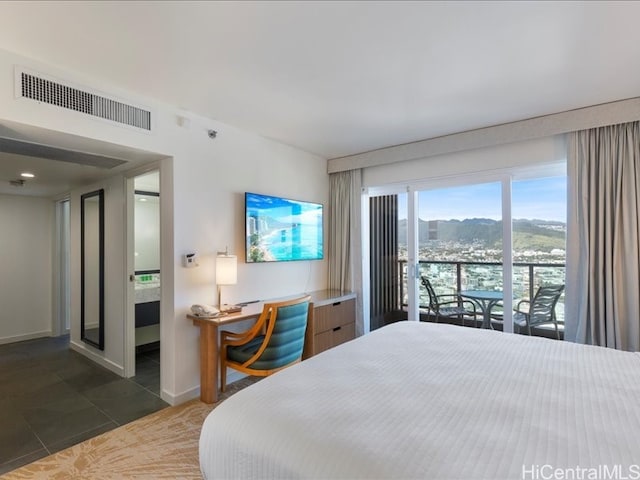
(208, 362)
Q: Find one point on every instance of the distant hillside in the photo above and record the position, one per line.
(527, 234)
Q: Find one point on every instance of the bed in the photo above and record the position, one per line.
(434, 401)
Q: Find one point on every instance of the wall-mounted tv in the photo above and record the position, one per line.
(282, 230)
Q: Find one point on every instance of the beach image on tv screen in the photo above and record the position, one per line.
(279, 229)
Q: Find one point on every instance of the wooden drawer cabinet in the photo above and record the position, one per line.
(329, 339)
(330, 324)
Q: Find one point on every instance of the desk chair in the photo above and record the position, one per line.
(441, 307)
(273, 343)
(542, 309)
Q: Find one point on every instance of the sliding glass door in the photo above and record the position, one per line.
(460, 254)
(479, 244)
(539, 240)
(451, 237)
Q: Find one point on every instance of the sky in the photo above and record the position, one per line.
(544, 198)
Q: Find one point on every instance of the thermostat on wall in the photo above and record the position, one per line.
(190, 260)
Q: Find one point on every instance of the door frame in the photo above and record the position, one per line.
(458, 181)
(412, 189)
(61, 268)
(130, 322)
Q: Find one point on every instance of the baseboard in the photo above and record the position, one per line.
(180, 398)
(22, 338)
(106, 363)
(194, 392)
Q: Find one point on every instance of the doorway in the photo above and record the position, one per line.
(442, 229)
(146, 279)
(493, 240)
(62, 314)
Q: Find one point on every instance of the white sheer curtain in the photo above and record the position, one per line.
(345, 243)
(603, 266)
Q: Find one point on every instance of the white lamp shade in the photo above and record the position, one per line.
(226, 270)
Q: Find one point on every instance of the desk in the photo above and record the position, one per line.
(209, 347)
(209, 343)
(486, 300)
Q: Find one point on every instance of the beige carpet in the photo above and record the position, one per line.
(161, 445)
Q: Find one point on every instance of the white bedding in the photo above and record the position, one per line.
(429, 401)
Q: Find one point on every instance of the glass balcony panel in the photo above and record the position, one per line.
(539, 239)
(527, 278)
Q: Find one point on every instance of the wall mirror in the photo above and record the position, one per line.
(92, 268)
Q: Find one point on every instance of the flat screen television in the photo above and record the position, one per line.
(282, 230)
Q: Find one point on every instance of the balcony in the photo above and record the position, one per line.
(449, 277)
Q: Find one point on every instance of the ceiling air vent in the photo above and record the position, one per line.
(65, 96)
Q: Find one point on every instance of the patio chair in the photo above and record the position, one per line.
(448, 305)
(541, 310)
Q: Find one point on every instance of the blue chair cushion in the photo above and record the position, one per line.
(285, 345)
(242, 353)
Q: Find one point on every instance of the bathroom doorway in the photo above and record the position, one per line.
(145, 280)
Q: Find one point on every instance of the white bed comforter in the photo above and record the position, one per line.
(416, 400)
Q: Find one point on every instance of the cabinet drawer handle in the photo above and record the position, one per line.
(336, 304)
(336, 329)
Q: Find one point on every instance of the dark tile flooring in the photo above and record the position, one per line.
(52, 398)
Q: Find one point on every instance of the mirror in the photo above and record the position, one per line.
(92, 268)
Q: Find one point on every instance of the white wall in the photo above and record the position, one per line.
(209, 189)
(202, 183)
(25, 267)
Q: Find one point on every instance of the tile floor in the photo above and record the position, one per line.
(52, 397)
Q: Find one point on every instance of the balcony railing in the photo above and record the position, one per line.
(449, 277)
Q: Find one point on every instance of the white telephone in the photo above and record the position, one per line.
(204, 310)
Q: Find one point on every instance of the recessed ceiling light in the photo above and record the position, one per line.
(27, 175)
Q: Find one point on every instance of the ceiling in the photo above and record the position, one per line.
(340, 78)
(52, 177)
(68, 165)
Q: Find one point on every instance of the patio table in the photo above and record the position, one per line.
(486, 300)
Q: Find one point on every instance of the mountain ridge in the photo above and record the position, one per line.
(527, 233)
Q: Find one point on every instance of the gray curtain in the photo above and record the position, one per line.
(345, 244)
(603, 268)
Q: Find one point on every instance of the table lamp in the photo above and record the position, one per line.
(226, 272)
